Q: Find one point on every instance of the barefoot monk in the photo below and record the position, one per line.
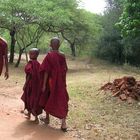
(54, 70)
(31, 87)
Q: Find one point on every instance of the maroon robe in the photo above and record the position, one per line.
(31, 93)
(55, 99)
(3, 48)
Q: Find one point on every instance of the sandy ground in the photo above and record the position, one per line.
(13, 124)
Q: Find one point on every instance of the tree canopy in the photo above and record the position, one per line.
(130, 18)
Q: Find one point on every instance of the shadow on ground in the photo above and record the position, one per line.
(31, 131)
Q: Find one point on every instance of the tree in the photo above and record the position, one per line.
(13, 19)
(84, 30)
(48, 14)
(63, 13)
(62, 17)
(75, 33)
(130, 19)
(110, 45)
(121, 45)
(10, 21)
(129, 24)
(27, 37)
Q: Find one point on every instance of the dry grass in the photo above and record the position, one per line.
(107, 118)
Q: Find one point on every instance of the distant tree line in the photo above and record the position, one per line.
(119, 41)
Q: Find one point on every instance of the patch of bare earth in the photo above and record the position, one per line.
(13, 124)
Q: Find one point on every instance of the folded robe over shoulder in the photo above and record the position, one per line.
(55, 99)
(31, 93)
(3, 48)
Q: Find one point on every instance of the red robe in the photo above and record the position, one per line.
(3, 48)
(55, 99)
(31, 93)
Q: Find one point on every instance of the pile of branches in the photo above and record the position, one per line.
(126, 88)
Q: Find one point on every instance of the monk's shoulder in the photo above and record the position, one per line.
(47, 57)
(29, 64)
(48, 54)
(28, 67)
(36, 62)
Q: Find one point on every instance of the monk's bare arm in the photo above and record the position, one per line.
(45, 81)
(6, 64)
(27, 79)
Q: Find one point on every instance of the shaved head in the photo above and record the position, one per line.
(34, 49)
(55, 43)
(33, 53)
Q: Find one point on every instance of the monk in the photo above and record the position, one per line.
(4, 57)
(31, 87)
(54, 98)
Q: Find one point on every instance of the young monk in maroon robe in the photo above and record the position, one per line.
(54, 98)
(4, 57)
(31, 87)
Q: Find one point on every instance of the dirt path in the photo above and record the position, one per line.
(13, 125)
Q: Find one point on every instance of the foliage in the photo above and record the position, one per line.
(60, 17)
(120, 46)
(130, 19)
(47, 14)
(110, 43)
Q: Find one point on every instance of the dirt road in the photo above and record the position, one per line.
(13, 124)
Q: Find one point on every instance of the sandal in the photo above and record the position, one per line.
(64, 129)
(44, 119)
(27, 116)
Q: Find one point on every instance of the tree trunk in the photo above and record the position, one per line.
(26, 54)
(72, 46)
(120, 57)
(19, 57)
(12, 47)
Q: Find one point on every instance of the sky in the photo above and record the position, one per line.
(94, 6)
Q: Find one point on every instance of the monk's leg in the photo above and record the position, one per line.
(64, 125)
(23, 110)
(46, 119)
(27, 114)
(36, 119)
